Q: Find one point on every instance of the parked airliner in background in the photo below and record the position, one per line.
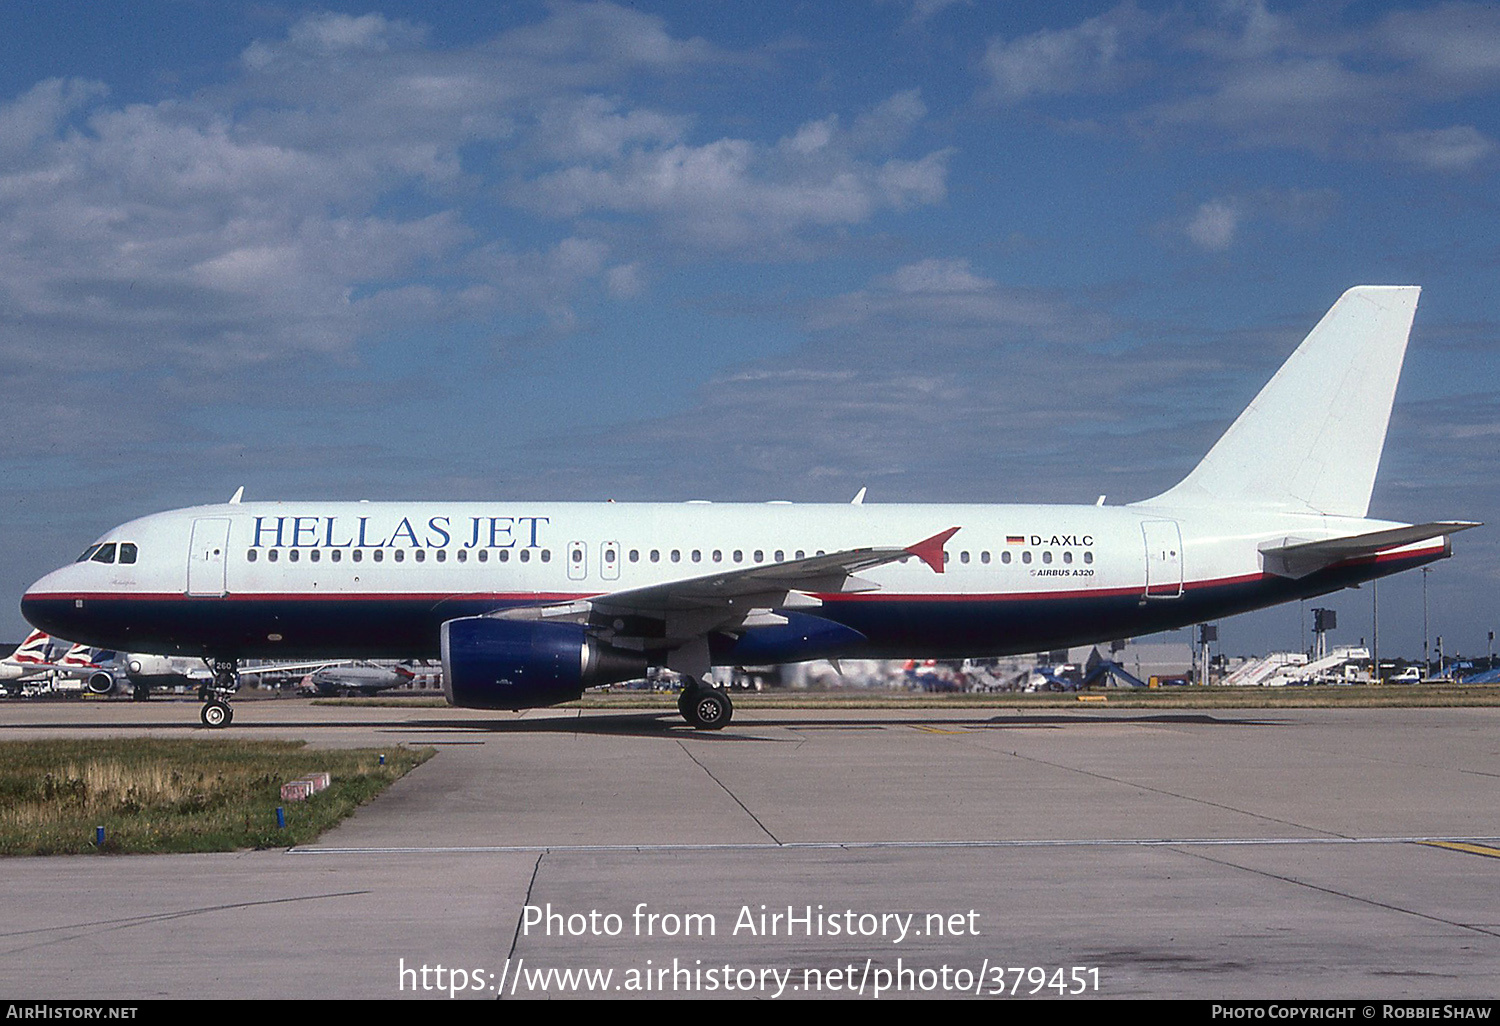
(368, 679)
(140, 672)
(37, 657)
(528, 603)
(31, 658)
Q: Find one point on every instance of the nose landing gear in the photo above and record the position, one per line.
(216, 711)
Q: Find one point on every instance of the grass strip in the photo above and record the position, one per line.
(160, 795)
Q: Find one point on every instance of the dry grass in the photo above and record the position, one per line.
(167, 795)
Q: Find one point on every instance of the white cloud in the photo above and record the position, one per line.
(1288, 78)
(945, 298)
(326, 191)
(625, 281)
(1214, 225)
(1219, 223)
(34, 116)
(1085, 58)
(1460, 148)
(736, 194)
(596, 128)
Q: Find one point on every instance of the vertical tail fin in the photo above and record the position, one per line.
(79, 657)
(1310, 442)
(35, 649)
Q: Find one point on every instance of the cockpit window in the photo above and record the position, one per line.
(87, 553)
(127, 552)
(105, 553)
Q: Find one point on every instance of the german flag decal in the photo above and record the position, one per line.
(1015, 539)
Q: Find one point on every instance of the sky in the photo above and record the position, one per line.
(948, 251)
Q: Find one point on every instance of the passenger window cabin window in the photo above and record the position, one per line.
(780, 556)
(127, 552)
(1005, 556)
(463, 555)
(801, 554)
(947, 557)
(484, 555)
(1067, 557)
(271, 555)
(526, 555)
(504, 555)
(379, 555)
(1088, 557)
(420, 555)
(359, 554)
(656, 555)
(336, 555)
(293, 555)
(442, 555)
(250, 556)
(984, 557)
(314, 555)
(1047, 556)
(1026, 556)
(739, 555)
(718, 556)
(635, 555)
(400, 555)
(105, 553)
(697, 555)
(963, 557)
(677, 555)
(760, 555)
(546, 555)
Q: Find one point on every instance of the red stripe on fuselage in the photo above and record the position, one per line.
(540, 597)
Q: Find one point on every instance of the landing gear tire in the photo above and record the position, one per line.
(710, 709)
(217, 714)
(685, 704)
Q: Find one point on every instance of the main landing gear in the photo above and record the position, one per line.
(705, 707)
(216, 712)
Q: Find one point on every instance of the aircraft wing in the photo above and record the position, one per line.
(289, 667)
(665, 616)
(1297, 559)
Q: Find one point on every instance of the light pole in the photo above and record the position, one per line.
(1426, 666)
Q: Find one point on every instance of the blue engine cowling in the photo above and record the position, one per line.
(517, 664)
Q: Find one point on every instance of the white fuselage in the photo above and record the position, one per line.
(369, 579)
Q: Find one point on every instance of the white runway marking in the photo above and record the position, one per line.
(1158, 842)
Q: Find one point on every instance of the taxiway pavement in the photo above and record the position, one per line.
(1233, 853)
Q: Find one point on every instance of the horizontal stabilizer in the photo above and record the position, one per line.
(1296, 559)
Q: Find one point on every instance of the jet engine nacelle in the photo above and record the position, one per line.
(513, 664)
(101, 682)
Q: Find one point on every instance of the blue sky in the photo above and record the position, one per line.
(946, 250)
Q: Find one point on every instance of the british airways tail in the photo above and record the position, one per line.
(1310, 442)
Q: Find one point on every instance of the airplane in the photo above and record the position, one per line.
(142, 671)
(36, 657)
(31, 657)
(529, 603)
(361, 680)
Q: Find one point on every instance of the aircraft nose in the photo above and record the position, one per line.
(47, 606)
